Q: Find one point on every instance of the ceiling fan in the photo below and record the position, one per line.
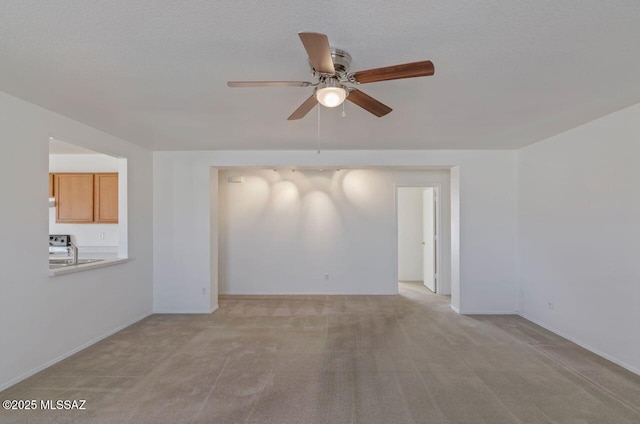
(330, 68)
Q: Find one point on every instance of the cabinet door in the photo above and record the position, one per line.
(74, 197)
(106, 198)
(51, 192)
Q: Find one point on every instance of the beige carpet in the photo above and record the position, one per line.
(338, 359)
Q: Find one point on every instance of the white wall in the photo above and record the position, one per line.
(579, 237)
(280, 231)
(487, 244)
(45, 318)
(183, 278)
(85, 236)
(410, 217)
(455, 238)
(82, 163)
(213, 197)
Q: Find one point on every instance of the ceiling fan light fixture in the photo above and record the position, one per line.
(331, 95)
(333, 80)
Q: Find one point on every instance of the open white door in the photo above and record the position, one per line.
(428, 238)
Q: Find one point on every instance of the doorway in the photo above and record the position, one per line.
(418, 233)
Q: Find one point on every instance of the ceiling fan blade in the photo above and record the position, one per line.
(368, 103)
(268, 83)
(407, 70)
(304, 108)
(319, 51)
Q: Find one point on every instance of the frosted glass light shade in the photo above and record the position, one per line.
(331, 96)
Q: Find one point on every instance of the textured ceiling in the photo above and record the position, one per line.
(508, 73)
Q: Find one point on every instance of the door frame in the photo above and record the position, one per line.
(438, 195)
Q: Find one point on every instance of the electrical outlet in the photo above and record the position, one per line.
(550, 305)
(101, 236)
(326, 276)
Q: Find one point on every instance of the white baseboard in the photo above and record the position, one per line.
(489, 312)
(583, 345)
(186, 311)
(454, 309)
(306, 294)
(47, 364)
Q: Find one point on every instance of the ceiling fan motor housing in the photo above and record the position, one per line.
(341, 63)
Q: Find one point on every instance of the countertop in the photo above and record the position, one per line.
(106, 259)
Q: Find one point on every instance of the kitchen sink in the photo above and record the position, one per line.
(59, 263)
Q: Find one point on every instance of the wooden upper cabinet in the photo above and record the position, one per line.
(106, 198)
(51, 192)
(74, 197)
(85, 198)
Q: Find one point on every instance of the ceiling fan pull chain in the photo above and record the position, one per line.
(344, 114)
(318, 130)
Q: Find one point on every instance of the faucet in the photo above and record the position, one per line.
(74, 248)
